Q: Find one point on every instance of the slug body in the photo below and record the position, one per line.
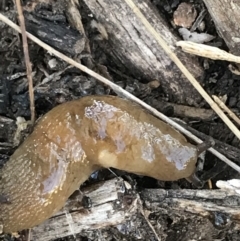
(77, 138)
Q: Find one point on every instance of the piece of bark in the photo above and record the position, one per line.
(5, 147)
(111, 205)
(226, 17)
(74, 16)
(4, 92)
(132, 47)
(210, 204)
(57, 35)
(183, 111)
(200, 202)
(7, 131)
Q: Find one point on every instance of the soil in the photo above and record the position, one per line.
(54, 86)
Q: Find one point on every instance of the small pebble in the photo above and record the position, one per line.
(185, 15)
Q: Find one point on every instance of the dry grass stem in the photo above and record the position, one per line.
(27, 59)
(118, 90)
(226, 109)
(207, 51)
(145, 215)
(210, 184)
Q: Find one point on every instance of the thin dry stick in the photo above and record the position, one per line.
(119, 90)
(143, 212)
(29, 232)
(27, 60)
(207, 51)
(209, 184)
(184, 70)
(225, 108)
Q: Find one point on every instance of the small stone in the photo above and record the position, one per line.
(185, 15)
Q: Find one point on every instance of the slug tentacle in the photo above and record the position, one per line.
(76, 138)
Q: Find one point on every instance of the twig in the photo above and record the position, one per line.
(210, 184)
(184, 70)
(29, 234)
(207, 51)
(225, 108)
(27, 60)
(143, 212)
(199, 19)
(118, 90)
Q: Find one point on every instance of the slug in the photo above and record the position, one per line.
(77, 138)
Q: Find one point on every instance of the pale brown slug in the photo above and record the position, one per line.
(77, 138)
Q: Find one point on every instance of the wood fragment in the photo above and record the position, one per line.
(198, 21)
(201, 202)
(110, 208)
(226, 17)
(59, 36)
(183, 111)
(207, 51)
(225, 108)
(210, 184)
(133, 49)
(74, 16)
